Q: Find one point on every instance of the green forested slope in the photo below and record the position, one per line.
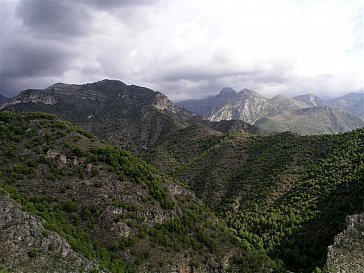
(292, 192)
(112, 208)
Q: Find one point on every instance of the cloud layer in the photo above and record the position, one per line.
(184, 48)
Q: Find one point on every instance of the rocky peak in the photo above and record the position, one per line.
(249, 106)
(161, 102)
(248, 92)
(227, 91)
(26, 244)
(310, 100)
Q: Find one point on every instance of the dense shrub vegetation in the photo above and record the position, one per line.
(106, 203)
(285, 194)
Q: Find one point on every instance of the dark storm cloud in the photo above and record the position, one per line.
(29, 58)
(44, 38)
(25, 58)
(110, 4)
(54, 18)
(183, 48)
(39, 43)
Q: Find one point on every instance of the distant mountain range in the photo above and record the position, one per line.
(352, 103)
(281, 113)
(132, 117)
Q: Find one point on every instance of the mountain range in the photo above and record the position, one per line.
(131, 116)
(196, 196)
(282, 113)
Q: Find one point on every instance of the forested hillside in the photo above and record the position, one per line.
(101, 208)
(292, 192)
(280, 199)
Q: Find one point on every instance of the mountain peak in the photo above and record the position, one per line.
(247, 91)
(227, 91)
(310, 100)
(109, 81)
(131, 115)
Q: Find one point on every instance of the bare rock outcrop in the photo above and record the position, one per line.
(26, 246)
(346, 255)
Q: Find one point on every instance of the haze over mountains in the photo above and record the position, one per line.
(213, 196)
(282, 113)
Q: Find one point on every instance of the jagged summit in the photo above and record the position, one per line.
(227, 91)
(250, 106)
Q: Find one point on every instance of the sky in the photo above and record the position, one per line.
(186, 49)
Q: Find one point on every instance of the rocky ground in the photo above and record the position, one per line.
(346, 255)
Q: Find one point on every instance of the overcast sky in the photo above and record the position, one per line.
(185, 48)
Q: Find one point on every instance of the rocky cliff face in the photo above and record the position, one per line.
(346, 255)
(250, 106)
(31, 96)
(131, 116)
(282, 113)
(26, 246)
(204, 107)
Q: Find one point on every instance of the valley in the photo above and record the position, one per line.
(117, 178)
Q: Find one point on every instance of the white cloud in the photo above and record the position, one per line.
(188, 48)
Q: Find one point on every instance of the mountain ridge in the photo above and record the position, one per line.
(121, 113)
(281, 111)
(133, 117)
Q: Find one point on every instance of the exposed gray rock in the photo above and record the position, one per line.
(310, 100)
(249, 106)
(346, 255)
(29, 96)
(204, 107)
(26, 246)
(129, 116)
